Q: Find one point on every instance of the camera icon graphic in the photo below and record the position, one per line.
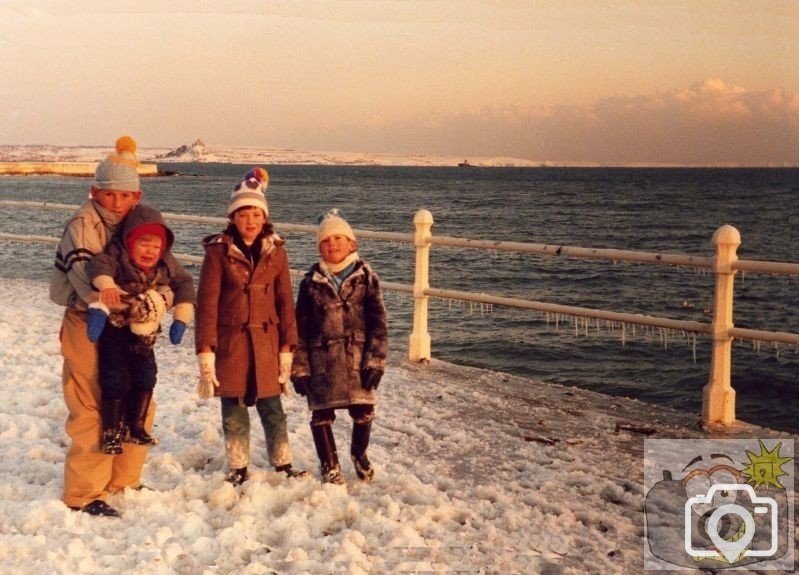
(732, 549)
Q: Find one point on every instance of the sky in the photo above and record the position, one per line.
(610, 81)
(470, 477)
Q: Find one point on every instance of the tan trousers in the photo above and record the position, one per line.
(90, 474)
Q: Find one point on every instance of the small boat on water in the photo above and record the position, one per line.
(465, 164)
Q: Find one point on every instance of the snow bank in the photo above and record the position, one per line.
(477, 472)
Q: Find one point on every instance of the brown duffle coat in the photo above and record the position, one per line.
(341, 333)
(245, 315)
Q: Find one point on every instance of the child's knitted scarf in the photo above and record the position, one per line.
(337, 273)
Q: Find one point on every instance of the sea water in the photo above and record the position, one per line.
(655, 210)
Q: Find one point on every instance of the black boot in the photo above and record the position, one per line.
(136, 414)
(98, 508)
(237, 476)
(111, 412)
(290, 472)
(360, 441)
(325, 444)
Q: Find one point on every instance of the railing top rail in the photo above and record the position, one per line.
(759, 266)
(29, 238)
(282, 227)
(30, 204)
(762, 335)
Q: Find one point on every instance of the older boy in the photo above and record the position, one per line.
(89, 474)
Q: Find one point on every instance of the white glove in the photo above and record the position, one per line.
(208, 380)
(284, 359)
(146, 311)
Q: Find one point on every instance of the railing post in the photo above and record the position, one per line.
(718, 396)
(419, 344)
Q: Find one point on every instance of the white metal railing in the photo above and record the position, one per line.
(718, 405)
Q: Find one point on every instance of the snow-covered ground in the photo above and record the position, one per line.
(477, 472)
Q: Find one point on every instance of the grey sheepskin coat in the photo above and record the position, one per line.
(340, 333)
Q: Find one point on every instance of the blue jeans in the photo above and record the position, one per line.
(236, 429)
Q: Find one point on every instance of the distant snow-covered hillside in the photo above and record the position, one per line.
(199, 151)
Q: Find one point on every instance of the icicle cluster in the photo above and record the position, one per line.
(757, 346)
(582, 326)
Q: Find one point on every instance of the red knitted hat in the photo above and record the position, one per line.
(148, 228)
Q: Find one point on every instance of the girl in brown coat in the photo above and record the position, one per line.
(343, 335)
(245, 327)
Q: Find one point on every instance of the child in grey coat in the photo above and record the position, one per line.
(343, 341)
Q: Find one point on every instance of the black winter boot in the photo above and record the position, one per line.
(136, 414)
(325, 444)
(111, 412)
(360, 441)
(98, 507)
(290, 472)
(237, 476)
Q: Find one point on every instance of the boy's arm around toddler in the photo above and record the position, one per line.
(84, 236)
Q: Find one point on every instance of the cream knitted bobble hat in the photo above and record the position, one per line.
(119, 170)
(332, 223)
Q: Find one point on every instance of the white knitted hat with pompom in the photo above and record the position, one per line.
(119, 170)
(332, 223)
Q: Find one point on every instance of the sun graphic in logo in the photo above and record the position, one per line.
(766, 468)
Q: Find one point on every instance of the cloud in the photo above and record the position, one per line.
(710, 123)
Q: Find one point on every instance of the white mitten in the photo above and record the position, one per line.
(146, 311)
(208, 381)
(284, 360)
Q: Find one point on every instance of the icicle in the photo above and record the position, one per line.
(623, 335)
